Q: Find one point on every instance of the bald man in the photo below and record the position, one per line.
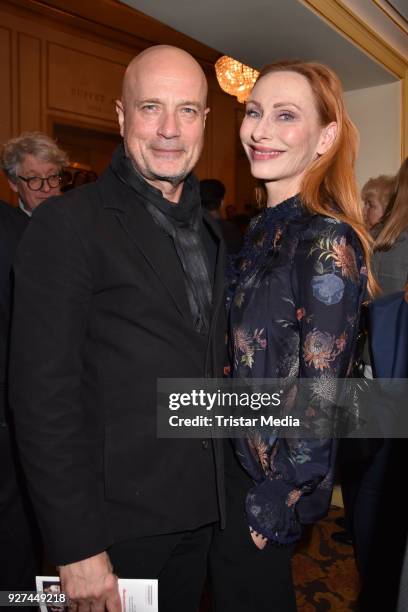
(119, 283)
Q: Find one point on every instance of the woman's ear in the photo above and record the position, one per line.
(327, 138)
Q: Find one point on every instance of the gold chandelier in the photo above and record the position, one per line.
(235, 78)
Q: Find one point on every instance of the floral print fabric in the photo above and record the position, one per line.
(295, 295)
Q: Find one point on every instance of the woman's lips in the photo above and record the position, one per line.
(262, 153)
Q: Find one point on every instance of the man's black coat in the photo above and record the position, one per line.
(100, 313)
(18, 553)
(13, 223)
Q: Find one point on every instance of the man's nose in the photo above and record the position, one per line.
(45, 187)
(169, 125)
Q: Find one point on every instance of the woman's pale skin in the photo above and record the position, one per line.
(282, 134)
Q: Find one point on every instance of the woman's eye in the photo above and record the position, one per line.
(286, 116)
(251, 112)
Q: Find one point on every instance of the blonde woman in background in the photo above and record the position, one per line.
(376, 195)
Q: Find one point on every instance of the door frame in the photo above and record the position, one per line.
(342, 19)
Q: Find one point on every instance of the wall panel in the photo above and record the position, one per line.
(63, 69)
(223, 139)
(81, 83)
(376, 111)
(5, 98)
(29, 82)
(6, 102)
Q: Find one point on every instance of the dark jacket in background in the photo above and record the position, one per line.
(13, 222)
(18, 551)
(391, 267)
(375, 511)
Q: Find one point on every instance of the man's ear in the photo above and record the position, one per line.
(327, 138)
(207, 110)
(13, 185)
(121, 116)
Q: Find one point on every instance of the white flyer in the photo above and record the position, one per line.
(137, 595)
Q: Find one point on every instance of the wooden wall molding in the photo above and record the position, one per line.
(66, 61)
(6, 115)
(114, 22)
(393, 14)
(82, 83)
(7, 99)
(30, 76)
(355, 29)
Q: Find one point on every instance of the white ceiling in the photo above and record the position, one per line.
(258, 32)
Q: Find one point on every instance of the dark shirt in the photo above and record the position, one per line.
(295, 296)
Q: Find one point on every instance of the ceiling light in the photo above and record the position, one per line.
(235, 78)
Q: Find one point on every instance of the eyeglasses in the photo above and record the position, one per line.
(35, 183)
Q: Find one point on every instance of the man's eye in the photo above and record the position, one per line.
(150, 108)
(187, 110)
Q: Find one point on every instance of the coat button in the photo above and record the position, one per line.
(204, 444)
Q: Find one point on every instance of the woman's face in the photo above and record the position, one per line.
(373, 209)
(281, 132)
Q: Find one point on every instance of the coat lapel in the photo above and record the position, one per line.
(219, 278)
(154, 245)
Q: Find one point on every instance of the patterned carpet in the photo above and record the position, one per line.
(324, 572)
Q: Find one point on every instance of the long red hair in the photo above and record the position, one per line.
(329, 185)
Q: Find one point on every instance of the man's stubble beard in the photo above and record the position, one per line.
(150, 175)
(173, 180)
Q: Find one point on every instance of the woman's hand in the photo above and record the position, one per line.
(258, 539)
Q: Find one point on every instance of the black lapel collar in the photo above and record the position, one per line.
(156, 247)
(219, 280)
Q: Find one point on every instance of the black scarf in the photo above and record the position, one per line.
(182, 222)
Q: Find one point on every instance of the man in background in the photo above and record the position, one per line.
(33, 165)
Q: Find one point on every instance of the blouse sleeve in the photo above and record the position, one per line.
(328, 282)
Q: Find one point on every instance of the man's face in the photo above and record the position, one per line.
(33, 166)
(162, 121)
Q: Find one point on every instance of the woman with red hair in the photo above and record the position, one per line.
(294, 305)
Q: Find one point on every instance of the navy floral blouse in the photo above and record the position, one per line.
(296, 290)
